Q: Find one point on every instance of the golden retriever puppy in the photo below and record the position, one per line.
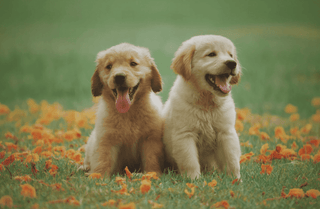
(200, 113)
(129, 127)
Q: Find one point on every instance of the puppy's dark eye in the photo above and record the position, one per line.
(212, 54)
(231, 55)
(109, 67)
(132, 64)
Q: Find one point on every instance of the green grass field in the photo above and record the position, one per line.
(47, 52)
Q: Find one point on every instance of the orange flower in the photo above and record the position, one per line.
(315, 101)
(316, 158)
(33, 106)
(316, 118)
(264, 136)
(123, 190)
(294, 117)
(120, 180)
(294, 145)
(9, 160)
(28, 191)
(2, 154)
(306, 129)
(190, 194)
(110, 202)
(23, 178)
(145, 186)
(48, 164)
(6, 201)
(298, 193)
(313, 193)
(32, 158)
(234, 181)
(69, 200)
(231, 193)
(46, 154)
(95, 176)
(150, 175)
(37, 150)
(239, 125)
(9, 135)
(295, 131)
(129, 174)
(54, 169)
(4, 109)
(242, 113)
(281, 134)
(290, 109)
(266, 168)
(11, 146)
(223, 204)
(213, 183)
(130, 205)
(306, 149)
(264, 148)
(2, 167)
(254, 130)
(314, 142)
(305, 157)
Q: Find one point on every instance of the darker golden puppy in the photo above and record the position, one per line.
(128, 130)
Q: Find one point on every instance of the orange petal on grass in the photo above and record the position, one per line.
(290, 109)
(316, 158)
(2, 168)
(213, 183)
(313, 193)
(120, 180)
(266, 169)
(245, 157)
(294, 117)
(145, 186)
(306, 129)
(23, 178)
(28, 191)
(110, 202)
(223, 204)
(305, 157)
(4, 109)
(190, 194)
(234, 181)
(8, 135)
(190, 185)
(9, 160)
(231, 193)
(294, 145)
(306, 149)
(6, 201)
(95, 176)
(129, 174)
(254, 130)
(298, 193)
(314, 142)
(2, 154)
(264, 148)
(150, 175)
(130, 205)
(11, 146)
(264, 136)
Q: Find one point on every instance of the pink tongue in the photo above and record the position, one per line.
(221, 82)
(123, 101)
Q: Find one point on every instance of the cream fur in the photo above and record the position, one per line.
(199, 128)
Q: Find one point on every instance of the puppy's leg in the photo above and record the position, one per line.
(152, 154)
(185, 152)
(108, 156)
(229, 152)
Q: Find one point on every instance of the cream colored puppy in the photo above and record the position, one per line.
(200, 113)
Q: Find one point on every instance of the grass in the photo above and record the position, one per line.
(253, 192)
(47, 52)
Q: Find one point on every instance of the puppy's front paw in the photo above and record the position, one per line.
(193, 175)
(85, 168)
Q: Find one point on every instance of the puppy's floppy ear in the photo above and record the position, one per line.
(156, 81)
(96, 84)
(181, 63)
(236, 79)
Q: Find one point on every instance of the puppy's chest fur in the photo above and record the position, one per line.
(207, 125)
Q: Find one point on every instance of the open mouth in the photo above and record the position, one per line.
(124, 97)
(219, 82)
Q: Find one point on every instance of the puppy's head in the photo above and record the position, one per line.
(123, 73)
(210, 62)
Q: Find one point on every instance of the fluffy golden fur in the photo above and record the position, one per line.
(129, 127)
(200, 113)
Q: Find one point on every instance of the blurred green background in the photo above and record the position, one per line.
(48, 48)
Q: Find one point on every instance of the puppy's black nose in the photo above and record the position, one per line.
(231, 64)
(120, 78)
